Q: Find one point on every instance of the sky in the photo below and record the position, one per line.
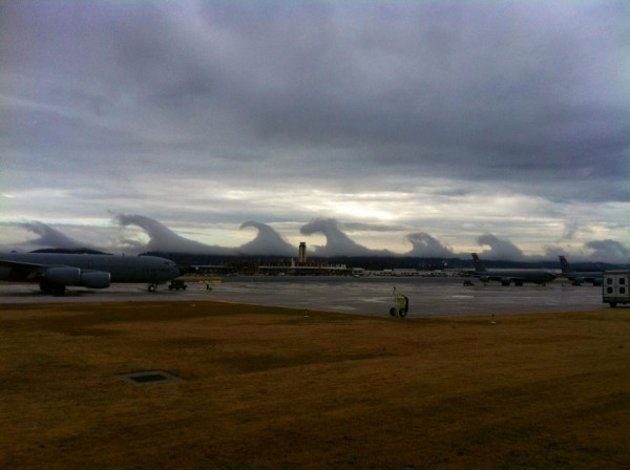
(408, 127)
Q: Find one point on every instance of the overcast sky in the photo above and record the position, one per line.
(451, 118)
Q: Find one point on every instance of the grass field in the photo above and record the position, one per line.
(268, 387)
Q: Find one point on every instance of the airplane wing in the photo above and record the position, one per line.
(24, 270)
(56, 273)
(19, 264)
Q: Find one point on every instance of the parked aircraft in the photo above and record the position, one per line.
(507, 276)
(578, 277)
(54, 272)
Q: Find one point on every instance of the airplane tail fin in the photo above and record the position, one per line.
(479, 267)
(564, 264)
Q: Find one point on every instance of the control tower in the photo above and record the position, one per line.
(302, 253)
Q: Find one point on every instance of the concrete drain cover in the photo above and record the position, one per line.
(149, 377)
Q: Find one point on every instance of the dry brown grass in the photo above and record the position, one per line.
(270, 387)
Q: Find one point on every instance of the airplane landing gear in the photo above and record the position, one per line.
(52, 289)
(152, 287)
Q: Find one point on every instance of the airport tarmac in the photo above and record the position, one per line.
(427, 296)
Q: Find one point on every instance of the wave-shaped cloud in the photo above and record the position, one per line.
(267, 242)
(610, 251)
(500, 248)
(427, 246)
(49, 237)
(162, 238)
(337, 242)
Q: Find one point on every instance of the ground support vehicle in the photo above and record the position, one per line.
(177, 284)
(401, 305)
(616, 287)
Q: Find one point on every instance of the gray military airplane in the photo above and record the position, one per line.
(55, 271)
(507, 276)
(578, 277)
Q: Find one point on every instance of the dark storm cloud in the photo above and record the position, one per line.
(471, 90)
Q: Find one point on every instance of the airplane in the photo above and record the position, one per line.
(55, 271)
(507, 276)
(578, 277)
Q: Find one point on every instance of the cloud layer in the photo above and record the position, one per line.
(449, 118)
(268, 242)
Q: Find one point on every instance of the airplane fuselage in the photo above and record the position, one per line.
(516, 276)
(149, 269)
(508, 276)
(578, 277)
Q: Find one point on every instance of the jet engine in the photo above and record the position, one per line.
(63, 275)
(69, 276)
(95, 279)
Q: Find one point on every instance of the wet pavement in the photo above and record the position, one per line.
(427, 296)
